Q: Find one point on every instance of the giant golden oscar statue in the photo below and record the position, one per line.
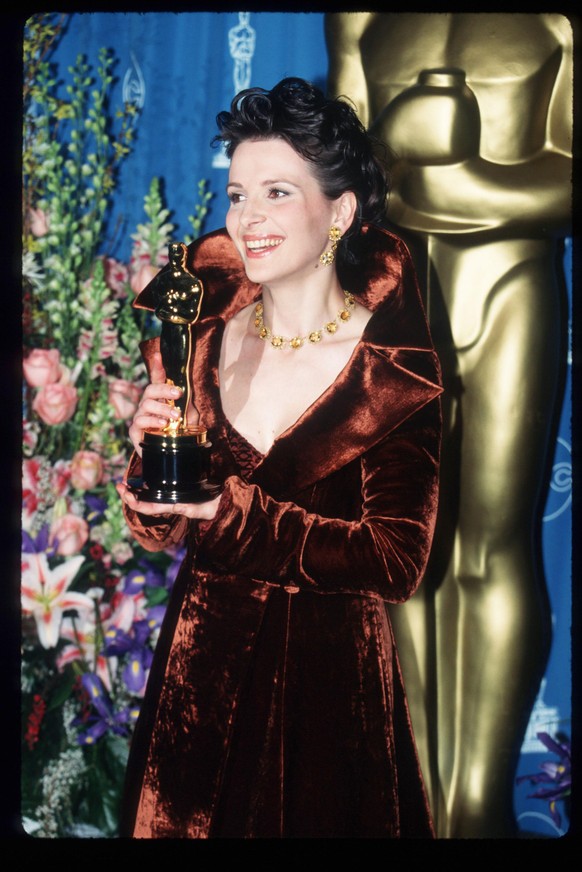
(477, 108)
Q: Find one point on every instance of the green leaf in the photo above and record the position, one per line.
(62, 692)
(156, 596)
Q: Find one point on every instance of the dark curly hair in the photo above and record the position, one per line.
(325, 132)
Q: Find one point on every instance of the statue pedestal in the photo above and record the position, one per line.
(175, 467)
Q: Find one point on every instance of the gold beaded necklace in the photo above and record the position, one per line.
(314, 336)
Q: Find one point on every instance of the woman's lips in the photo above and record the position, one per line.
(262, 246)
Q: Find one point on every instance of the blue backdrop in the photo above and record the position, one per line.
(181, 69)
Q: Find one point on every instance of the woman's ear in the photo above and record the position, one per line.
(346, 207)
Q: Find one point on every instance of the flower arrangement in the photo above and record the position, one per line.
(92, 598)
(554, 781)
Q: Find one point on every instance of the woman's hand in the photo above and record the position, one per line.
(155, 409)
(199, 511)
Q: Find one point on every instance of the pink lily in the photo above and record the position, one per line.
(45, 594)
(83, 635)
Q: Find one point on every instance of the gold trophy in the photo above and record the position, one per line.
(175, 458)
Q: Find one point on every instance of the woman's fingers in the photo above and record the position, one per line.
(144, 508)
(158, 400)
(155, 410)
(200, 511)
(157, 372)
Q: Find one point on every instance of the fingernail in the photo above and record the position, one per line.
(176, 392)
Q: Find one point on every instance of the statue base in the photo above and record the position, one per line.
(175, 467)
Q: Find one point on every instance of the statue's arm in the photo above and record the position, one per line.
(346, 76)
(478, 195)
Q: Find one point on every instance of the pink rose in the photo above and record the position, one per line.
(124, 397)
(55, 403)
(42, 367)
(143, 276)
(69, 533)
(39, 225)
(86, 470)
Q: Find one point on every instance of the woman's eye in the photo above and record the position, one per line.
(276, 193)
(235, 197)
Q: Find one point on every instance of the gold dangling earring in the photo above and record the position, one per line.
(328, 257)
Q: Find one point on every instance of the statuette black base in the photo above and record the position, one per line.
(175, 468)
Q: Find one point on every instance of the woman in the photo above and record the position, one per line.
(275, 706)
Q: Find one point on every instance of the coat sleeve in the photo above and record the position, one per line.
(384, 553)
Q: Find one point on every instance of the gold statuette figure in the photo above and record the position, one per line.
(175, 459)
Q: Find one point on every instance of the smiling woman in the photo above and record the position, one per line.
(279, 221)
(275, 707)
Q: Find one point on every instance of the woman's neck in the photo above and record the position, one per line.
(296, 309)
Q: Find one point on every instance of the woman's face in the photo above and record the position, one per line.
(278, 218)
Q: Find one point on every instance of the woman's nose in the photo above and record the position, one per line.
(252, 213)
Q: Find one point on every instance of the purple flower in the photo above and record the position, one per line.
(96, 507)
(555, 778)
(39, 543)
(155, 616)
(138, 579)
(135, 671)
(154, 577)
(118, 641)
(132, 644)
(135, 581)
(104, 717)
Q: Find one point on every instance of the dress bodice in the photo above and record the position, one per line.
(245, 454)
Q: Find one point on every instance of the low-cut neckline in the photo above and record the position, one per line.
(320, 398)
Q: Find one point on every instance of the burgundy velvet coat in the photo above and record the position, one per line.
(275, 706)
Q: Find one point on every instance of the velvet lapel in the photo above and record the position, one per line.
(376, 391)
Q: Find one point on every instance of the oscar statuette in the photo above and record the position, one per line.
(175, 458)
